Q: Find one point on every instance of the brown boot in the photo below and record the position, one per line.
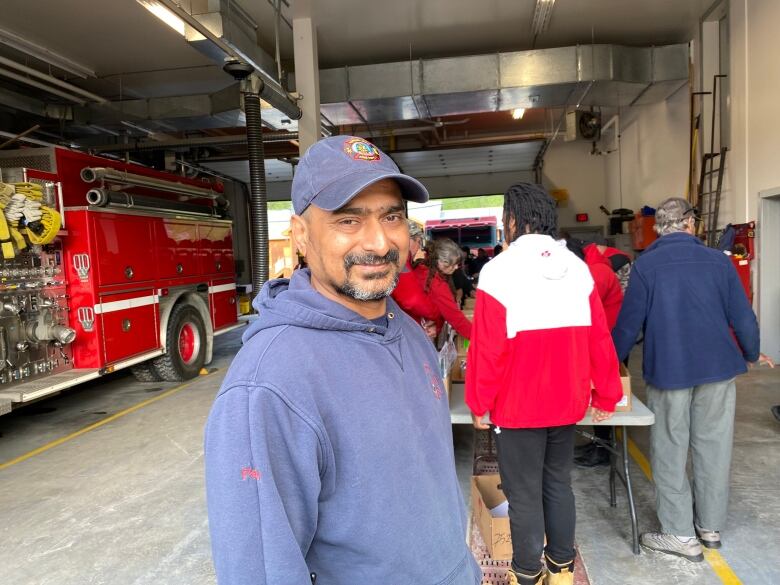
(559, 573)
(516, 578)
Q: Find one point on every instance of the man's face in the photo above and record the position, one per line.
(356, 252)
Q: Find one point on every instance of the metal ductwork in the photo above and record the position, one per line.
(592, 75)
(220, 35)
(221, 109)
(189, 142)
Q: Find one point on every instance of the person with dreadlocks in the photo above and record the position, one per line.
(539, 337)
(435, 275)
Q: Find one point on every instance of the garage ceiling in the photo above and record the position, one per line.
(276, 171)
(463, 161)
(422, 164)
(136, 56)
(350, 34)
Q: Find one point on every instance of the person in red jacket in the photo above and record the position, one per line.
(409, 293)
(611, 294)
(539, 337)
(435, 277)
(607, 283)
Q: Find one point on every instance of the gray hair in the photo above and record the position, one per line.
(447, 251)
(673, 215)
(415, 231)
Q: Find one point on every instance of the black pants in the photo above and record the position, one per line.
(603, 432)
(535, 467)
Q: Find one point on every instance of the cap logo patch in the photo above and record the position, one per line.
(359, 149)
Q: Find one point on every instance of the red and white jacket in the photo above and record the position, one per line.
(539, 337)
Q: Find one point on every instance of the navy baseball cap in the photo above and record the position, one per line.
(334, 170)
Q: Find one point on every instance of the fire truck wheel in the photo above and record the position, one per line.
(145, 372)
(185, 345)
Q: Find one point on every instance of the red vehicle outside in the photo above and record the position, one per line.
(474, 232)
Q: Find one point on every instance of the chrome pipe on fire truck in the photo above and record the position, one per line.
(93, 174)
(120, 199)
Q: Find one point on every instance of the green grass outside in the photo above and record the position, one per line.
(472, 202)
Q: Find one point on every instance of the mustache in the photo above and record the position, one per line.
(392, 257)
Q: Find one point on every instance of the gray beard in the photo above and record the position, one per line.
(349, 289)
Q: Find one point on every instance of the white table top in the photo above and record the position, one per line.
(639, 416)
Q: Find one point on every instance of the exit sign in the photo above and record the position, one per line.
(582, 217)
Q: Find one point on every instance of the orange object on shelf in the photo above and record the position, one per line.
(642, 232)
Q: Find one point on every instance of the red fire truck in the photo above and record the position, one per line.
(138, 274)
(474, 232)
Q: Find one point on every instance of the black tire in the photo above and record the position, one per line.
(182, 360)
(145, 372)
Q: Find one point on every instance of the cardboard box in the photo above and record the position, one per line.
(461, 346)
(625, 379)
(458, 370)
(485, 495)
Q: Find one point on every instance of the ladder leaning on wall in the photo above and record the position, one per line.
(713, 166)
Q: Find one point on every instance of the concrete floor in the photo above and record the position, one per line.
(123, 504)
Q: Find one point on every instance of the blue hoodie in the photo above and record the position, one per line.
(687, 298)
(329, 451)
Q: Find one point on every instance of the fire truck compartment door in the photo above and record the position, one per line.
(130, 324)
(125, 248)
(224, 309)
(177, 248)
(217, 249)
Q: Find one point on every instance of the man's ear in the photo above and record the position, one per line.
(300, 233)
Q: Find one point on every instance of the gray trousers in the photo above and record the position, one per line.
(702, 419)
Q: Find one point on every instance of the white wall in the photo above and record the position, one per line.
(651, 162)
(755, 129)
(569, 165)
(755, 120)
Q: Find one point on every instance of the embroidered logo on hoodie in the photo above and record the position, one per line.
(250, 473)
(434, 381)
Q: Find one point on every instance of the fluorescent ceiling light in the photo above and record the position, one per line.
(165, 15)
(542, 14)
(518, 113)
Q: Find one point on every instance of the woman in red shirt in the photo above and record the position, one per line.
(408, 292)
(435, 276)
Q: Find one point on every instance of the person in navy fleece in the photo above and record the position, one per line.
(329, 451)
(699, 330)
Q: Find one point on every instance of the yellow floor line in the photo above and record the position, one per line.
(713, 557)
(100, 423)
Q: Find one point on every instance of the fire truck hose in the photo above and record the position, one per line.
(32, 191)
(44, 230)
(6, 241)
(42, 221)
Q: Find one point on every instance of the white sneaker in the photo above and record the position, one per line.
(670, 544)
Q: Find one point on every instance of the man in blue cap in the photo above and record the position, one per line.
(329, 452)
